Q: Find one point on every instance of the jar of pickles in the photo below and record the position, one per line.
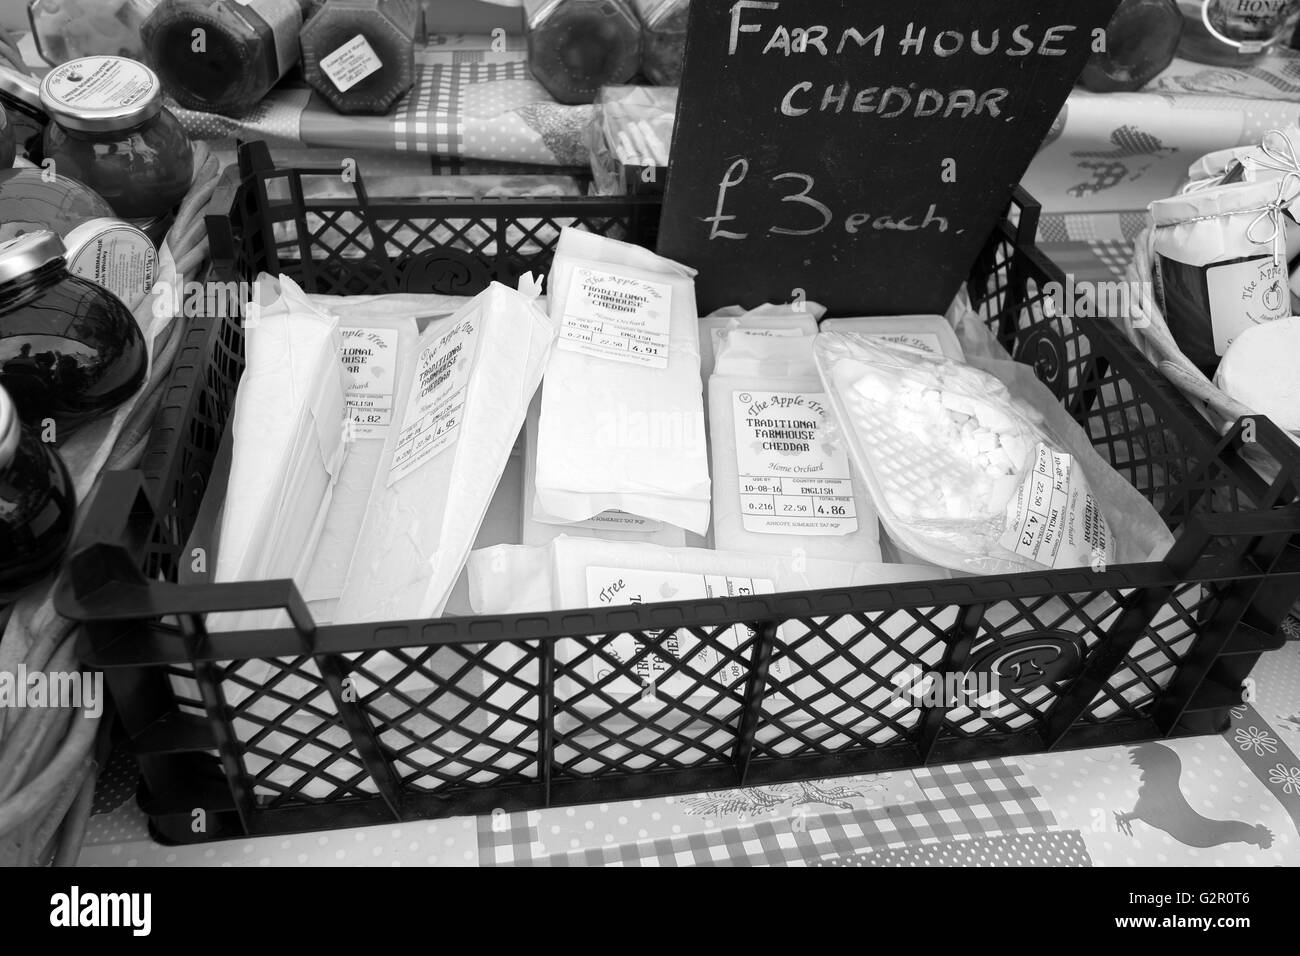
(37, 505)
(577, 46)
(110, 130)
(663, 39)
(69, 349)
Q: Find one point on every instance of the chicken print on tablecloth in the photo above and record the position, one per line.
(1110, 168)
(1162, 805)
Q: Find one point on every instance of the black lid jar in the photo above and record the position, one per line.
(37, 505)
(110, 130)
(577, 46)
(69, 349)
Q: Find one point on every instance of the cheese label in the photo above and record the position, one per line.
(1245, 293)
(792, 479)
(617, 317)
(925, 341)
(620, 587)
(437, 403)
(1053, 518)
(720, 335)
(369, 358)
(351, 63)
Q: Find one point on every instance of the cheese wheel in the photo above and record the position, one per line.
(1261, 369)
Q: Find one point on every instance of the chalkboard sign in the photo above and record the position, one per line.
(859, 152)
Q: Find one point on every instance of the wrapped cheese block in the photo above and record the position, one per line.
(288, 443)
(539, 528)
(378, 356)
(778, 321)
(782, 481)
(475, 375)
(622, 423)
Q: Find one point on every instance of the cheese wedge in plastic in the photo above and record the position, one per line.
(475, 374)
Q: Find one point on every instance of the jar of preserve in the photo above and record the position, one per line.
(20, 95)
(69, 349)
(110, 130)
(37, 505)
(577, 46)
(32, 200)
(222, 56)
(68, 29)
(360, 54)
(663, 39)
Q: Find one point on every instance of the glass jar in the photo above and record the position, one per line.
(37, 505)
(663, 39)
(577, 46)
(69, 349)
(1234, 32)
(8, 149)
(20, 95)
(360, 54)
(222, 56)
(30, 201)
(70, 29)
(110, 130)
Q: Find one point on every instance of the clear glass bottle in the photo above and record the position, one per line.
(37, 505)
(360, 54)
(663, 39)
(1234, 33)
(69, 349)
(70, 29)
(577, 46)
(110, 130)
(241, 50)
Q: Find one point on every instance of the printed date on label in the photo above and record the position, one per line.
(810, 215)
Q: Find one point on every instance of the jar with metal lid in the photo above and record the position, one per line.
(577, 46)
(68, 29)
(69, 349)
(663, 39)
(360, 54)
(222, 56)
(37, 505)
(1235, 32)
(110, 130)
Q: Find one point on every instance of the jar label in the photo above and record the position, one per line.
(792, 480)
(101, 82)
(284, 19)
(350, 64)
(121, 260)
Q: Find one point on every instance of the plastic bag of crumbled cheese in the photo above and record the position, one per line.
(963, 473)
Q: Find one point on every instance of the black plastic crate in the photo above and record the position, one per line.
(308, 728)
